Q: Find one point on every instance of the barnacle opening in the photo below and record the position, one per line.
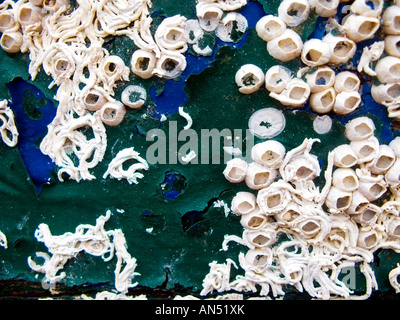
(272, 26)
(363, 129)
(395, 70)
(394, 91)
(7, 41)
(110, 68)
(327, 98)
(304, 172)
(350, 83)
(343, 48)
(351, 102)
(368, 215)
(256, 222)
(261, 240)
(323, 77)
(297, 93)
(169, 65)
(290, 215)
(261, 178)
(343, 202)
(370, 240)
(260, 260)
(376, 190)
(245, 206)
(249, 80)
(287, 45)
(350, 182)
(236, 173)
(367, 27)
(296, 9)
(311, 228)
(274, 200)
(313, 55)
(269, 156)
(62, 65)
(25, 14)
(5, 20)
(366, 151)
(92, 98)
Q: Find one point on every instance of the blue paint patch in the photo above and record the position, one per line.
(31, 131)
(174, 184)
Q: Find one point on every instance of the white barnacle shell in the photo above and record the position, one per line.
(231, 23)
(193, 31)
(170, 65)
(395, 145)
(270, 27)
(359, 28)
(11, 41)
(273, 117)
(315, 52)
(346, 102)
(366, 149)
(325, 8)
(259, 176)
(277, 78)
(54, 5)
(392, 45)
(243, 203)
(209, 15)
(170, 34)
(344, 156)
(338, 200)
(385, 93)
(367, 8)
(143, 63)
(390, 18)
(290, 215)
(321, 79)
(112, 113)
(345, 179)
(383, 161)
(286, 46)
(249, 78)
(313, 228)
(93, 99)
(372, 190)
(254, 220)
(358, 202)
(359, 128)
(235, 170)
(368, 214)
(323, 101)
(295, 95)
(29, 15)
(273, 198)
(7, 20)
(259, 258)
(342, 48)
(347, 81)
(302, 167)
(229, 5)
(114, 68)
(262, 238)
(392, 176)
(134, 96)
(269, 153)
(368, 238)
(294, 12)
(388, 69)
(394, 278)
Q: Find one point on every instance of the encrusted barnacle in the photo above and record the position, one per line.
(259, 176)
(209, 15)
(286, 46)
(368, 238)
(392, 45)
(302, 167)
(170, 65)
(358, 202)
(315, 53)
(116, 166)
(321, 79)
(229, 5)
(345, 179)
(342, 48)
(372, 190)
(54, 5)
(114, 68)
(360, 28)
(366, 149)
(323, 101)
(383, 161)
(390, 18)
(346, 102)
(269, 153)
(7, 20)
(93, 99)
(11, 41)
(243, 203)
(262, 238)
(232, 27)
(273, 117)
(235, 170)
(270, 27)
(290, 215)
(277, 78)
(294, 12)
(259, 258)
(249, 78)
(134, 96)
(359, 128)
(367, 8)
(273, 198)
(346, 81)
(112, 113)
(325, 8)
(254, 220)
(313, 228)
(193, 31)
(387, 69)
(338, 200)
(385, 93)
(295, 95)
(368, 214)
(344, 156)
(170, 34)
(143, 63)
(29, 15)
(322, 124)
